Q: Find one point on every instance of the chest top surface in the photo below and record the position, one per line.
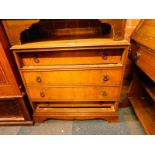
(97, 42)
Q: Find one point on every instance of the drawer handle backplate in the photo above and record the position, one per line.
(104, 56)
(104, 93)
(106, 78)
(36, 59)
(42, 94)
(38, 79)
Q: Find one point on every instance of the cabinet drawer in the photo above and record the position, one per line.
(73, 93)
(146, 61)
(74, 77)
(71, 57)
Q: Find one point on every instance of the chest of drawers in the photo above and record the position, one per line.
(73, 79)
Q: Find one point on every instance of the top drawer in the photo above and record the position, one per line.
(96, 56)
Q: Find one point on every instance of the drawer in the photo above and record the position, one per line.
(73, 93)
(74, 104)
(146, 61)
(98, 56)
(73, 77)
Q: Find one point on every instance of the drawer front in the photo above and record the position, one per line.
(146, 62)
(74, 77)
(71, 57)
(73, 93)
(69, 104)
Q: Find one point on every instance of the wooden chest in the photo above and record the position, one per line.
(14, 105)
(73, 79)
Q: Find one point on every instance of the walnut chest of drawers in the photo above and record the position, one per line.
(73, 79)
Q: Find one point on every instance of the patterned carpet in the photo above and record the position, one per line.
(128, 124)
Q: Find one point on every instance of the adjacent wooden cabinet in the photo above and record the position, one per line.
(142, 89)
(14, 104)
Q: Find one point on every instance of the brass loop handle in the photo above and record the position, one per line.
(106, 78)
(104, 93)
(138, 54)
(42, 94)
(38, 79)
(104, 56)
(36, 59)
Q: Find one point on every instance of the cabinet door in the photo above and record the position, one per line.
(8, 84)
